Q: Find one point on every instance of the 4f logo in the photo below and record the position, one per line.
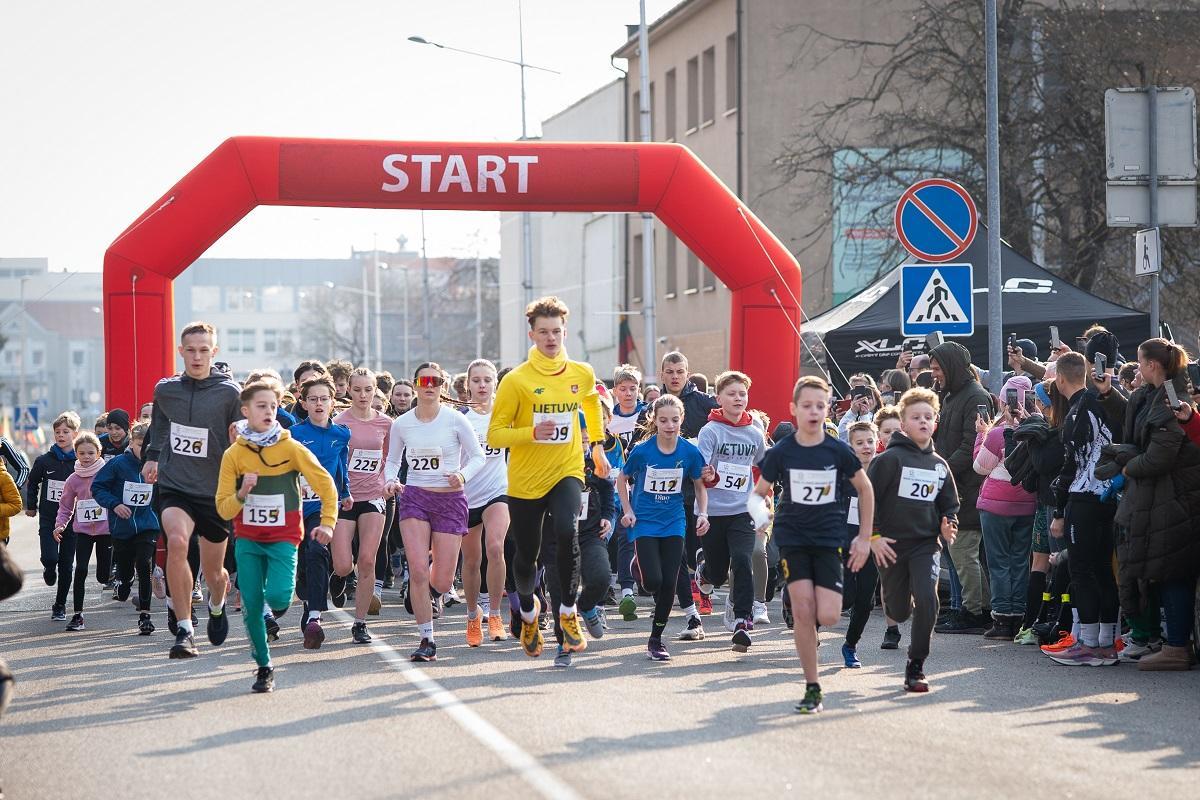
(539, 390)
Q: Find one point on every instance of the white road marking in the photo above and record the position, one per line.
(526, 766)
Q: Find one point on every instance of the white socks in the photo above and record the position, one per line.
(565, 610)
(426, 630)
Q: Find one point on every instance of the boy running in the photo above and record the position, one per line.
(42, 496)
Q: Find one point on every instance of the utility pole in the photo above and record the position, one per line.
(995, 293)
(649, 289)
(425, 298)
(24, 347)
(526, 218)
(1152, 97)
(478, 305)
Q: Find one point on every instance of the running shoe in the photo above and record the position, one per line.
(451, 598)
(376, 604)
(891, 638)
(1065, 642)
(594, 620)
(172, 621)
(76, 623)
(145, 624)
(1080, 655)
(426, 652)
(272, 628)
(314, 635)
(1047, 632)
(693, 631)
(50, 575)
(474, 632)
(703, 602)
(531, 632)
(914, 676)
(437, 607)
(563, 658)
(741, 638)
(116, 595)
(218, 626)
(1025, 636)
(264, 680)
(234, 601)
(657, 651)
(811, 702)
(197, 595)
(573, 638)
(628, 608)
(1134, 650)
(702, 582)
(389, 581)
(359, 632)
(58, 613)
(730, 616)
(759, 613)
(185, 646)
(496, 630)
(850, 656)
(337, 591)
(158, 583)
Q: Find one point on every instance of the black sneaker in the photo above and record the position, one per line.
(426, 652)
(76, 623)
(891, 638)
(264, 680)
(185, 646)
(1046, 632)
(789, 619)
(337, 590)
(914, 676)
(272, 628)
(408, 602)
(741, 638)
(145, 624)
(964, 622)
(123, 591)
(389, 581)
(58, 613)
(172, 622)
(811, 702)
(50, 575)
(218, 626)
(359, 632)
(116, 591)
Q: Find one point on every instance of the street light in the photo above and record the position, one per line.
(366, 331)
(378, 316)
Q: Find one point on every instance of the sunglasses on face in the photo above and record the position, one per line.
(429, 381)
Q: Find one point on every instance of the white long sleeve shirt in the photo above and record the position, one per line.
(435, 449)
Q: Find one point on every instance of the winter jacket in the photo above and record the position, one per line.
(954, 438)
(47, 479)
(120, 480)
(1043, 447)
(599, 495)
(1086, 431)
(331, 446)
(110, 449)
(696, 406)
(76, 504)
(902, 509)
(998, 495)
(10, 502)
(190, 430)
(17, 463)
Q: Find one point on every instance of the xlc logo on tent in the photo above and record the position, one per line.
(937, 304)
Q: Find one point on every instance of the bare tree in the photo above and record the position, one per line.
(332, 327)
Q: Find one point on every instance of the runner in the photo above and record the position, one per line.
(443, 454)
(116, 439)
(304, 372)
(628, 415)
(42, 496)
(858, 593)
(193, 416)
(17, 463)
(146, 413)
(90, 521)
(658, 467)
(369, 436)
(487, 517)
(535, 417)
(401, 397)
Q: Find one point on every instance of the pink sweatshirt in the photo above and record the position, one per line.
(77, 502)
(998, 495)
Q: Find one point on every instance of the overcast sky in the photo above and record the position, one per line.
(104, 105)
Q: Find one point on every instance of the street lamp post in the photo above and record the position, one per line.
(379, 265)
(24, 346)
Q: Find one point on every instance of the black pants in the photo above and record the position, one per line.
(383, 557)
(315, 565)
(659, 562)
(561, 504)
(858, 595)
(688, 547)
(136, 555)
(1089, 530)
(83, 555)
(910, 588)
(729, 545)
(593, 575)
(66, 564)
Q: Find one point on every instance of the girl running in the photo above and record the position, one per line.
(89, 518)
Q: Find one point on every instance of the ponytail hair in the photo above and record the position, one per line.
(1171, 356)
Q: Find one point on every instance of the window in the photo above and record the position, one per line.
(693, 273)
(731, 72)
(693, 94)
(240, 340)
(672, 261)
(240, 298)
(279, 299)
(710, 84)
(636, 110)
(669, 110)
(637, 268)
(271, 339)
(710, 280)
(77, 357)
(206, 298)
(38, 357)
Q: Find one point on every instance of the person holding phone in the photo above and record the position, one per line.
(865, 400)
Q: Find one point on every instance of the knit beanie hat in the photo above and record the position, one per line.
(119, 416)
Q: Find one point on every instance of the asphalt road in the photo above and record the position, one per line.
(103, 712)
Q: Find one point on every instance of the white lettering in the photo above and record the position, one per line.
(391, 165)
(490, 168)
(456, 172)
(522, 163)
(425, 161)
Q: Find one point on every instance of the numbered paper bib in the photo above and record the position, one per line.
(918, 484)
(54, 490)
(366, 460)
(663, 481)
(852, 517)
(562, 426)
(813, 487)
(263, 509)
(734, 477)
(488, 450)
(425, 461)
(189, 441)
(137, 495)
(90, 511)
(583, 504)
(306, 491)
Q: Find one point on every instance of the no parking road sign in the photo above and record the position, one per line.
(936, 297)
(936, 220)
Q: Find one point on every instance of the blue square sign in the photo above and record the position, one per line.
(936, 297)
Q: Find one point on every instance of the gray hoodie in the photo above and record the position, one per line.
(189, 430)
(733, 450)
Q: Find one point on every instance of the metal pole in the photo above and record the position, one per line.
(478, 307)
(407, 370)
(995, 296)
(649, 289)
(366, 325)
(378, 317)
(526, 218)
(1152, 97)
(24, 347)
(425, 294)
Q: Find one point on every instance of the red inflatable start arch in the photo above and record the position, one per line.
(244, 172)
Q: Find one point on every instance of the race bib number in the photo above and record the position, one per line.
(137, 495)
(54, 490)
(734, 477)
(488, 450)
(189, 441)
(562, 426)
(263, 509)
(852, 517)
(90, 511)
(306, 491)
(583, 504)
(367, 461)
(813, 487)
(425, 460)
(663, 481)
(918, 484)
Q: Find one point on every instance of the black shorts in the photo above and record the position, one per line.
(821, 565)
(475, 515)
(361, 507)
(202, 510)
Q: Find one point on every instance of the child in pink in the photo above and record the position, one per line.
(90, 520)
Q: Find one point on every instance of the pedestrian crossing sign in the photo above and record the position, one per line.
(27, 418)
(936, 297)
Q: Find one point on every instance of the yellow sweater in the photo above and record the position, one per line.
(543, 388)
(10, 502)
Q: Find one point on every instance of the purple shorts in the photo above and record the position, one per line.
(446, 512)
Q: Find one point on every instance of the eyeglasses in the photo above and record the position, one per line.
(427, 381)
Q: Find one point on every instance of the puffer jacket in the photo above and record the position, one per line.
(954, 438)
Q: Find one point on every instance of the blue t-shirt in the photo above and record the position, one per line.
(656, 486)
(813, 507)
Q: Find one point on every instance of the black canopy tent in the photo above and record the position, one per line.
(863, 333)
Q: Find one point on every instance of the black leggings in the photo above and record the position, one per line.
(858, 594)
(562, 504)
(83, 555)
(687, 556)
(1089, 529)
(136, 555)
(659, 561)
(729, 545)
(594, 574)
(383, 557)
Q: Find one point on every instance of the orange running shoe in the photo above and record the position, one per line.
(1119, 644)
(474, 631)
(496, 631)
(1065, 642)
(703, 602)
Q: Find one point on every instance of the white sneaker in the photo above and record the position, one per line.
(729, 618)
(759, 613)
(197, 597)
(693, 631)
(1134, 651)
(159, 583)
(451, 598)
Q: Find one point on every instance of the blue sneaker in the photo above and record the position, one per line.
(595, 623)
(850, 655)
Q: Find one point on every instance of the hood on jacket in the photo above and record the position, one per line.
(955, 361)
(215, 377)
(900, 440)
(717, 415)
